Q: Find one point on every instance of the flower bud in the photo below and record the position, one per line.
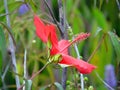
(24, 8)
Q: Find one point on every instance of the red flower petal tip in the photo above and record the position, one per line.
(45, 32)
(40, 28)
(82, 66)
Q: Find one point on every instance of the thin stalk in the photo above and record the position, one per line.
(64, 36)
(81, 75)
(34, 75)
(25, 63)
(118, 4)
(4, 74)
(11, 46)
(25, 68)
(61, 16)
(95, 1)
(64, 78)
(104, 81)
(96, 48)
(50, 11)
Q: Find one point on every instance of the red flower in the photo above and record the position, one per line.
(82, 66)
(47, 32)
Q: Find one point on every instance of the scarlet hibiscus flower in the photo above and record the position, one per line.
(47, 33)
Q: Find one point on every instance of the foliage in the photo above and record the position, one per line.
(99, 17)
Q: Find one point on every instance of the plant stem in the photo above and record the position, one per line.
(64, 78)
(34, 75)
(25, 68)
(103, 81)
(81, 75)
(64, 36)
(11, 46)
(4, 74)
(118, 4)
(49, 9)
(25, 63)
(96, 48)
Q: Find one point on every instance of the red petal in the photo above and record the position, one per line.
(53, 37)
(62, 44)
(54, 50)
(82, 66)
(40, 28)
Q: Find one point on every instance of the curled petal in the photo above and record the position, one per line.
(53, 37)
(82, 66)
(45, 31)
(40, 29)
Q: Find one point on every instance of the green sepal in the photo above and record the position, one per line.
(56, 58)
(49, 45)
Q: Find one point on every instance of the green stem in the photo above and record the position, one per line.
(49, 9)
(104, 81)
(12, 46)
(25, 68)
(34, 75)
(96, 48)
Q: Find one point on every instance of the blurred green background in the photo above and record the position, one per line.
(99, 17)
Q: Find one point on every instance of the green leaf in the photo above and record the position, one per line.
(34, 4)
(2, 47)
(56, 58)
(0, 63)
(100, 19)
(9, 31)
(101, 2)
(58, 85)
(115, 43)
(43, 88)
(16, 4)
(28, 84)
(2, 42)
(98, 31)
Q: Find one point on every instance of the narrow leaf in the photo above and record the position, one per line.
(28, 84)
(0, 63)
(2, 43)
(115, 43)
(98, 31)
(2, 48)
(9, 31)
(99, 17)
(58, 85)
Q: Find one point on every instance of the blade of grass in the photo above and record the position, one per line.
(115, 42)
